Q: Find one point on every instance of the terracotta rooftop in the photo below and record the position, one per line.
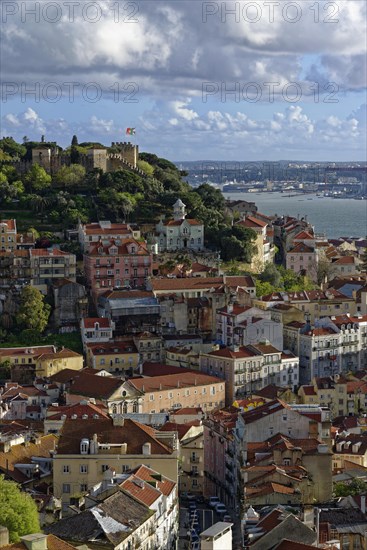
(250, 221)
(243, 351)
(10, 224)
(201, 283)
(89, 322)
(164, 484)
(301, 248)
(302, 236)
(19, 454)
(115, 228)
(170, 381)
(112, 348)
(132, 433)
(177, 223)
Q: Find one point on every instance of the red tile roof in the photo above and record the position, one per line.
(250, 221)
(89, 322)
(11, 224)
(242, 352)
(169, 381)
(302, 236)
(112, 348)
(180, 222)
(301, 248)
(132, 433)
(164, 484)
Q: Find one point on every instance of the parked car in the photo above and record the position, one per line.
(213, 501)
(220, 509)
(227, 518)
(191, 496)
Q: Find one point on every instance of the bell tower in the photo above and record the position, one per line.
(179, 210)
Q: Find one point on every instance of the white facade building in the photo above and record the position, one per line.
(181, 233)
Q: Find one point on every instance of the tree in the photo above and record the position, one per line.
(18, 511)
(356, 487)
(70, 175)
(271, 275)
(263, 288)
(146, 167)
(33, 312)
(37, 179)
(74, 141)
(12, 148)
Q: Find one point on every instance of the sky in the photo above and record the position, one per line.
(245, 80)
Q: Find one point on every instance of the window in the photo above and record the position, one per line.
(151, 397)
(104, 467)
(84, 468)
(83, 488)
(125, 468)
(66, 469)
(66, 487)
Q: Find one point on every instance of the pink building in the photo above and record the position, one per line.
(302, 259)
(118, 264)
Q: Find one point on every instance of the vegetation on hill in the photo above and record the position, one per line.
(71, 194)
(18, 511)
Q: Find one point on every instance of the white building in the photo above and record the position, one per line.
(96, 330)
(217, 537)
(181, 233)
(334, 345)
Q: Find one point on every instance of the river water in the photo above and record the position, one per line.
(334, 217)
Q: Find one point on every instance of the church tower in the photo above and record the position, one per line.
(179, 210)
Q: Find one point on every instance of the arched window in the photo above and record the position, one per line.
(124, 407)
(135, 407)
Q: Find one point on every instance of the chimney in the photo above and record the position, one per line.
(37, 541)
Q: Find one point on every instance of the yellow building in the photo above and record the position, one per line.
(90, 446)
(191, 437)
(8, 235)
(30, 362)
(344, 396)
(115, 357)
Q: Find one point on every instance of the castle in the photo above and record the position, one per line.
(49, 157)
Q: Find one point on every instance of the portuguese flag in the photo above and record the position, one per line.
(130, 131)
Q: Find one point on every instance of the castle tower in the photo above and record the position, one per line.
(98, 158)
(179, 210)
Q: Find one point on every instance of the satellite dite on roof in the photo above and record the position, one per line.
(217, 537)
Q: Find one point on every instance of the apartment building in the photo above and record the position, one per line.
(30, 362)
(284, 470)
(8, 235)
(117, 264)
(243, 325)
(149, 346)
(117, 357)
(302, 259)
(15, 268)
(50, 265)
(104, 231)
(191, 469)
(167, 392)
(87, 448)
(332, 346)
(265, 247)
(96, 330)
(313, 303)
(249, 368)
